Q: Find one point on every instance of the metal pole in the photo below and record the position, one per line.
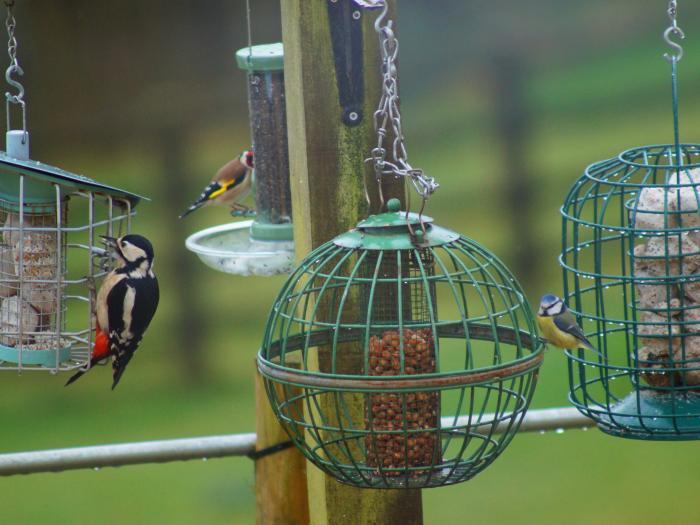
(229, 445)
(127, 454)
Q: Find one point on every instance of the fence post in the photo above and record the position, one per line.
(326, 166)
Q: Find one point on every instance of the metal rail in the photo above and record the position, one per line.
(96, 457)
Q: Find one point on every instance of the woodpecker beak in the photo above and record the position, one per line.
(112, 245)
(109, 241)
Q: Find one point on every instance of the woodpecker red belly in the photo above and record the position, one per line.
(101, 348)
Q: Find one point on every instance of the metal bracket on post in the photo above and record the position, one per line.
(345, 21)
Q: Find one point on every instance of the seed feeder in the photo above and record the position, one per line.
(394, 351)
(263, 246)
(46, 320)
(631, 264)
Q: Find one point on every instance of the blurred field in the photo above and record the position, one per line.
(612, 96)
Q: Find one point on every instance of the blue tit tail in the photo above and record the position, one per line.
(586, 345)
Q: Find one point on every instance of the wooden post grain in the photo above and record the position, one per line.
(280, 478)
(326, 170)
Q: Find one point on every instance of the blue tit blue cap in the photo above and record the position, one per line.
(549, 299)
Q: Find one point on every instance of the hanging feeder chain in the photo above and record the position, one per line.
(14, 67)
(388, 113)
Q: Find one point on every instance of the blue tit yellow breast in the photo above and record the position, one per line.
(554, 335)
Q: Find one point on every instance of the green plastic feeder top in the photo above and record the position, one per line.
(263, 57)
(39, 179)
(395, 230)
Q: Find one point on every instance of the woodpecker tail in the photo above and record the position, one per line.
(118, 367)
(79, 373)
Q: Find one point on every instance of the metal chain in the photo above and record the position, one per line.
(10, 25)
(673, 30)
(388, 114)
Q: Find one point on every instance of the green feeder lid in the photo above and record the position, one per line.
(38, 187)
(263, 57)
(395, 230)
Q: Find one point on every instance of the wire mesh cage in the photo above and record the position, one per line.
(50, 223)
(631, 263)
(397, 362)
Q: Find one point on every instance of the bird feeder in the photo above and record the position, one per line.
(400, 358)
(631, 260)
(50, 222)
(263, 246)
(631, 263)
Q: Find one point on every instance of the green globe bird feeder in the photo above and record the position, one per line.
(631, 265)
(394, 351)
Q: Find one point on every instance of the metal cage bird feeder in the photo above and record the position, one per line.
(391, 362)
(631, 264)
(263, 246)
(49, 257)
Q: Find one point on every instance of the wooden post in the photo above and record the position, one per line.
(326, 168)
(280, 478)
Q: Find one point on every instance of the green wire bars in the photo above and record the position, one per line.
(631, 259)
(400, 355)
(631, 263)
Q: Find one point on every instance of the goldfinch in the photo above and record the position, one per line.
(230, 185)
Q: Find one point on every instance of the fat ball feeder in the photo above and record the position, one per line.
(263, 246)
(394, 351)
(631, 266)
(46, 320)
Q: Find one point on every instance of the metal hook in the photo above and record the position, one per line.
(19, 97)
(674, 30)
(381, 17)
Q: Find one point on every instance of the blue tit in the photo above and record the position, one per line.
(558, 325)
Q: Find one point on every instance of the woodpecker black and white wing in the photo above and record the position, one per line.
(131, 304)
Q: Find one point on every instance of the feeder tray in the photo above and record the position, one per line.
(393, 353)
(230, 248)
(631, 264)
(264, 246)
(46, 320)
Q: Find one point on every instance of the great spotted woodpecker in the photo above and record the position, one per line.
(230, 185)
(125, 304)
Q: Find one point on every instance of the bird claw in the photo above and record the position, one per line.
(90, 283)
(92, 290)
(239, 210)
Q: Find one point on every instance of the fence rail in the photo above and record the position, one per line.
(229, 445)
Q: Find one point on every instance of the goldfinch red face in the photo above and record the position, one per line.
(247, 159)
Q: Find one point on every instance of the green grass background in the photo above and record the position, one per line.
(583, 111)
